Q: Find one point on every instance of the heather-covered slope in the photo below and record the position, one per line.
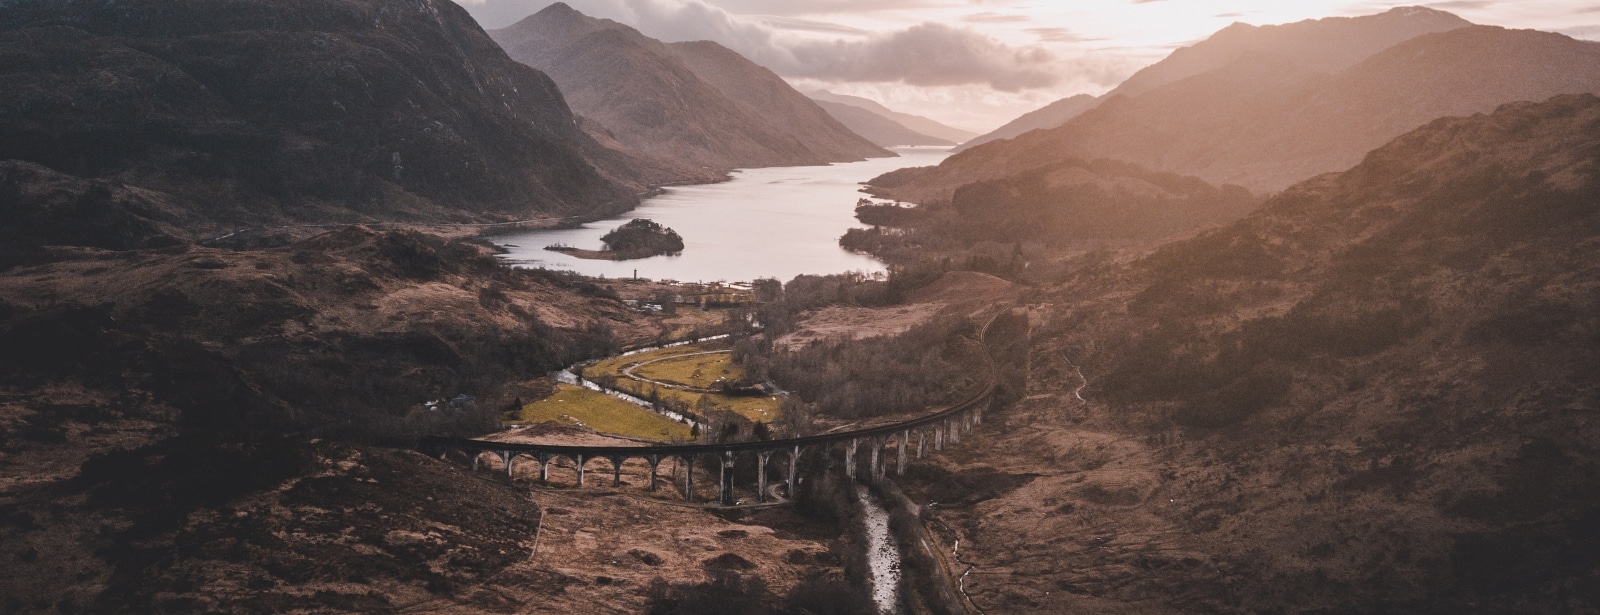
(678, 103)
(225, 113)
(1374, 394)
(1267, 121)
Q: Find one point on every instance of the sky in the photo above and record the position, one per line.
(977, 64)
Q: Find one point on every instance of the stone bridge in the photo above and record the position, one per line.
(916, 436)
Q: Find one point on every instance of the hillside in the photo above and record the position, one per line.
(1374, 394)
(914, 122)
(1264, 122)
(1318, 45)
(764, 92)
(1048, 116)
(1326, 45)
(691, 105)
(1018, 226)
(876, 128)
(192, 118)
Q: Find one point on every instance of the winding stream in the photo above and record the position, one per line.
(883, 555)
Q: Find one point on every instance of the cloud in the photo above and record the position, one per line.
(1589, 32)
(808, 25)
(996, 18)
(1456, 5)
(928, 54)
(1060, 35)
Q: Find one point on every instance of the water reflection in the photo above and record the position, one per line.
(776, 222)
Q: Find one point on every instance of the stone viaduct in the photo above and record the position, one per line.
(916, 436)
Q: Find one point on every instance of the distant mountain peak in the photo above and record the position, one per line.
(1328, 44)
(689, 107)
(940, 133)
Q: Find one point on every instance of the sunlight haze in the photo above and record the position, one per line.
(976, 64)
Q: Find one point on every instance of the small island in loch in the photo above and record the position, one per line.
(639, 238)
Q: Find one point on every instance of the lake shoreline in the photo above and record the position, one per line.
(605, 255)
(771, 222)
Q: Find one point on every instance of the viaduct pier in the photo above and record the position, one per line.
(919, 436)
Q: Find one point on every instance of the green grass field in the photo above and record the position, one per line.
(711, 367)
(699, 371)
(574, 405)
(759, 409)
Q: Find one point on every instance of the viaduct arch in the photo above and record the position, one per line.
(919, 437)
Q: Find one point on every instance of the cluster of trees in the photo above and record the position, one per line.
(1006, 226)
(929, 365)
(887, 214)
(1100, 199)
(780, 305)
(642, 237)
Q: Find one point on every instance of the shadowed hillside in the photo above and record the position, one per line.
(1371, 395)
(191, 118)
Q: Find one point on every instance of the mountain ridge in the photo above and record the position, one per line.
(920, 124)
(686, 105)
(1263, 122)
(1048, 116)
(877, 128)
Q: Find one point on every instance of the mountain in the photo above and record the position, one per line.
(1048, 116)
(1376, 390)
(697, 105)
(914, 122)
(1326, 45)
(876, 128)
(187, 118)
(1319, 45)
(1264, 122)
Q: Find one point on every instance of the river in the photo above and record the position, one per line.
(775, 222)
(883, 554)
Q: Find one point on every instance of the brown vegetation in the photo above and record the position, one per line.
(196, 118)
(1367, 396)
